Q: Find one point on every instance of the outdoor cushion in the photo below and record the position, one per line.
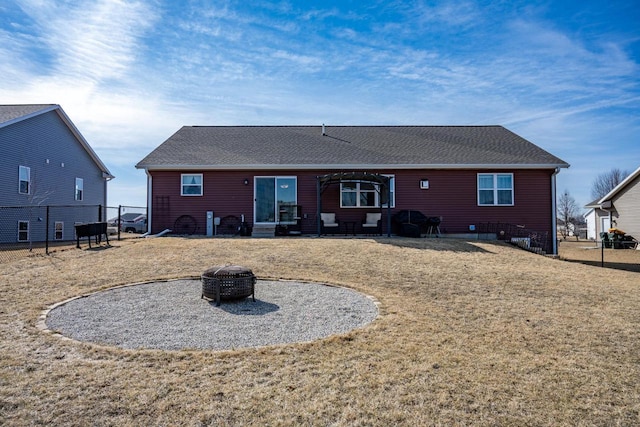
(372, 220)
(328, 219)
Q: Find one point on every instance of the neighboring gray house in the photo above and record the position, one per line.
(597, 220)
(620, 208)
(45, 161)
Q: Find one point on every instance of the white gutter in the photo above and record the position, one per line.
(554, 213)
(149, 187)
(323, 166)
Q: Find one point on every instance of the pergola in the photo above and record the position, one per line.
(324, 181)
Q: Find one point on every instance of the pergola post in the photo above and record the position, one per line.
(319, 205)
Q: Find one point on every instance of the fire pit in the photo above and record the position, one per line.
(228, 282)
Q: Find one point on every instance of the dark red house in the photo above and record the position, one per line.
(274, 178)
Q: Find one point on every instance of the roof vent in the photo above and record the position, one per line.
(323, 132)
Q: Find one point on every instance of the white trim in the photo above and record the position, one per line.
(255, 197)
(78, 187)
(331, 166)
(55, 230)
(620, 186)
(554, 213)
(495, 189)
(28, 230)
(376, 191)
(28, 169)
(83, 142)
(182, 184)
(149, 199)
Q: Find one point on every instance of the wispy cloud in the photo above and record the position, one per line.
(90, 40)
(131, 72)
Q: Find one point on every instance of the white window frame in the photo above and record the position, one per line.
(58, 227)
(392, 187)
(183, 184)
(79, 190)
(376, 192)
(27, 171)
(26, 239)
(496, 189)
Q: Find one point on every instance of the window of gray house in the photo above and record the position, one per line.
(191, 184)
(24, 177)
(58, 229)
(495, 189)
(23, 231)
(79, 189)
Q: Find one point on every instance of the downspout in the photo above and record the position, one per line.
(149, 192)
(388, 207)
(554, 213)
(319, 203)
(107, 178)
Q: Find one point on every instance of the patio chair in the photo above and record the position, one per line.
(330, 224)
(372, 223)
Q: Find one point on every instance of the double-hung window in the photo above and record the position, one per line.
(23, 231)
(191, 184)
(24, 177)
(58, 230)
(365, 194)
(495, 189)
(79, 189)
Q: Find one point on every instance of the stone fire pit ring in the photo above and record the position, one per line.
(169, 315)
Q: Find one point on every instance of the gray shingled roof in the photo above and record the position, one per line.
(12, 112)
(226, 147)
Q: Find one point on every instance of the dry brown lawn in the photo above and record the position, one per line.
(470, 333)
(586, 252)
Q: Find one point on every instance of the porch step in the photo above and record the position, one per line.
(263, 231)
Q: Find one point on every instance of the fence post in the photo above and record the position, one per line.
(119, 220)
(602, 252)
(46, 233)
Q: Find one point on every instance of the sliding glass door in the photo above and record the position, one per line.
(270, 193)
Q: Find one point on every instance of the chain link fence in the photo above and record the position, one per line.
(39, 230)
(128, 221)
(36, 230)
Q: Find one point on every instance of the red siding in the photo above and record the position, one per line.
(452, 195)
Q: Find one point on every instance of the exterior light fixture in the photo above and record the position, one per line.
(424, 184)
(246, 181)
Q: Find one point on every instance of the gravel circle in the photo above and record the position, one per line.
(172, 316)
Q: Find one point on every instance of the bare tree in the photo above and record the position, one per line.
(567, 212)
(605, 182)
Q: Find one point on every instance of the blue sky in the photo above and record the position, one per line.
(564, 75)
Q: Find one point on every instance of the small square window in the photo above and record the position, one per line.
(495, 189)
(191, 185)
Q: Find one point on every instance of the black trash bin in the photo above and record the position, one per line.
(409, 230)
(409, 223)
(245, 229)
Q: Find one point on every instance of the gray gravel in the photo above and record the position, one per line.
(172, 316)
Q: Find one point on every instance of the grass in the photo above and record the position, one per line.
(470, 333)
